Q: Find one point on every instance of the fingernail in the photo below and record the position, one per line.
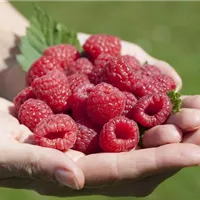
(66, 178)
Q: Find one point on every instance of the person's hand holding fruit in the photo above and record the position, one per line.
(83, 116)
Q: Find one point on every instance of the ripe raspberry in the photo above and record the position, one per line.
(21, 97)
(130, 102)
(118, 135)
(120, 74)
(151, 85)
(81, 65)
(164, 83)
(149, 70)
(132, 62)
(75, 80)
(97, 74)
(56, 131)
(102, 59)
(104, 103)
(79, 100)
(101, 43)
(151, 110)
(32, 112)
(41, 67)
(53, 88)
(87, 138)
(65, 53)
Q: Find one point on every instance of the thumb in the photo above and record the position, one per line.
(29, 161)
(108, 168)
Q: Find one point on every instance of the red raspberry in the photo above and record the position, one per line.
(151, 85)
(21, 97)
(56, 131)
(32, 112)
(65, 53)
(132, 62)
(87, 138)
(104, 103)
(143, 87)
(41, 67)
(97, 74)
(81, 65)
(75, 80)
(101, 43)
(53, 88)
(102, 59)
(130, 102)
(120, 74)
(149, 70)
(118, 135)
(164, 83)
(79, 100)
(151, 110)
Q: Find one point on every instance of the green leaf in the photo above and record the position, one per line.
(175, 100)
(42, 33)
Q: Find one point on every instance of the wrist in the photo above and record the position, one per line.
(10, 29)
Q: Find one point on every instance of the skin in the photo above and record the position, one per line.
(168, 148)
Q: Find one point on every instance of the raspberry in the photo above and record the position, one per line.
(104, 103)
(32, 112)
(130, 102)
(21, 97)
(120, 74)
(56, 131)
(120, 134)
(164, 83)
(41, 67)
(76, 80)
(53, 88)
(65, 53)
(79, 100)
(81, 65)
(132, 62)
(149, 70)
(151, 85)
(102, 59)
(97, 74)
(87, 138)
(151, 110)
(102, 43)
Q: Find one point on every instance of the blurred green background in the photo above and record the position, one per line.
(167, 30)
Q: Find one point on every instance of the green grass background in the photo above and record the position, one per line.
(167, 30)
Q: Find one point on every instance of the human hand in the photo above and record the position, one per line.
(22, 164)
(134, 173)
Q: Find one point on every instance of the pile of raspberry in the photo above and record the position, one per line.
(92, 101)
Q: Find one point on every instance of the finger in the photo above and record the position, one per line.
(29, 161)
(108, 168)
(74, 155)
(192, 137)
(191, 101)
(186, 119)
(7, 106)
(142, 56)
(161, 135)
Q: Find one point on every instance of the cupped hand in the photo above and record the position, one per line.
(22, 164)
(135, 173)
